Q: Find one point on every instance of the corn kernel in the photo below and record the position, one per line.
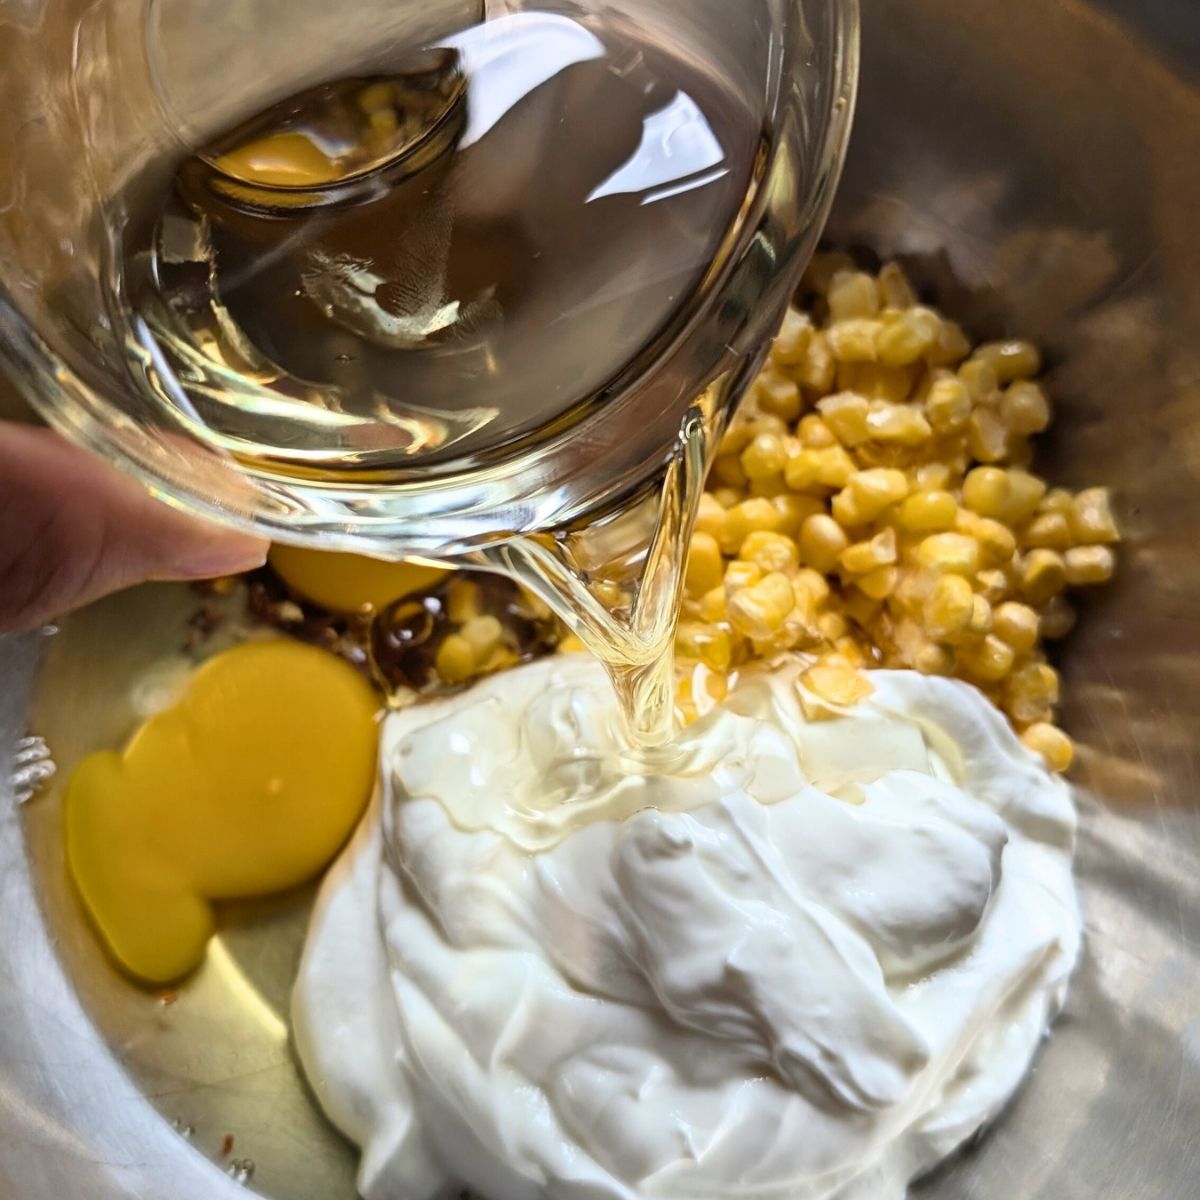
(729, 497)
(735, 439)
(844, 507)
(812, 582)
(909, 338)
(846, 416)
(791, 343)
(770, 551)
(814, 433)
(1057, 500)
(1043, 575)
(1024, 408)
(711, 517)
(986, 491)
(705, 567)
(988, 661)
(798, 632)
(934, 659)
(948, 608)
(987, 437)
(853, 340)
(768, 488)
(778, 396)
(1017, 624)
(832, 626)
(794, 510)
(894, 384)
(764, 457)
(997, 544)
(980, 380)
(700, 691)
(1025, 493)
(1050, 530)
(862, 557)
(1058, 619)
(760, 610)
(462, 601)
(878, 584)
(746, 518)
(1033, 691)
(484, 634)
(1091, 517)
(928, 512)
(952, 346)
(981, 617)
(1010, 359)
(861, 609)
(835, 468)
(610, 593)
(714, 605)
(852, 294)
(1009, 496)
(993, 584)
(455, 659)
(704, 643)
(823, 266)
(740, 575)
(948, 405)
(900, 424)
(728, 470)
(1055, 748)
(895, 290)
(908, 638)
(822, 541)
(816, 372)
(876, 490)
(848, 651)
(842, 686)
(912, 588)
(932, 477)
(1088, 565)
(949, 554)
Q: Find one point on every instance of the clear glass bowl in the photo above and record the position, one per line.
(98, 92)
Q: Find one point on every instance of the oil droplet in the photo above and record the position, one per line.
(349, 583)
(241, 1170)
(185, 1131)
(248, 785)
(32, 768)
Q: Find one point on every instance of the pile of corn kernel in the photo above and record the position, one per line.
(872, 505)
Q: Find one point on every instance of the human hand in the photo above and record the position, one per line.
(73, 529)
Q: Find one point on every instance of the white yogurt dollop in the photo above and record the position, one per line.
(807, 962)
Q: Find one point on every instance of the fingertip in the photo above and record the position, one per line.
(216, 553)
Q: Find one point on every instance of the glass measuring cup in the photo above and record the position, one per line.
(105, 96)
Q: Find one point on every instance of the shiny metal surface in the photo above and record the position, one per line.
(1040, 161)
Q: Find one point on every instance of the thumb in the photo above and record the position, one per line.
(73, 529)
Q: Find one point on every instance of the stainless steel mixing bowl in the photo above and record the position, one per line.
(1039, 161)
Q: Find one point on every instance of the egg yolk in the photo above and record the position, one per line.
(349, 583)
(280, 160)
(248, 785)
